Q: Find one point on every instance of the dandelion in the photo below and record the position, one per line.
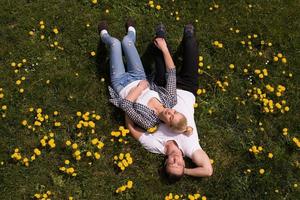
(88, 154)
(74, 146)
(24, 122)
(150, 2)
(93, 53)
(37, 151)
(283, 60)
(270, 155)
(97, 156)
(55, 30)
(18, 82)
(68, 143)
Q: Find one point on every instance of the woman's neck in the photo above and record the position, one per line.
(157, 106)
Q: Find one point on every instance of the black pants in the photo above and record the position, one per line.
(187, 77)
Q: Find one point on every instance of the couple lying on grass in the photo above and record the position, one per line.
(166, 102)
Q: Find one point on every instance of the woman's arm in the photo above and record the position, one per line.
(135, 92)
(162, 45)
(171, 70)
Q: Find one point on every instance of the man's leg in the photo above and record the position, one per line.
(117, 69)
(160, 66)
(187, 78)
(134, 64)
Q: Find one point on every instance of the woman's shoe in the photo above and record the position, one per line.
(102, 26)
(129, 22)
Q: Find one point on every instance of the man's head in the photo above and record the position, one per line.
(174, 164)
(176, 121)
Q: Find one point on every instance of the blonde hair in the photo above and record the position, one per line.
(181, 126)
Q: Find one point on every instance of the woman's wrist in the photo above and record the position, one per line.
(165, 50)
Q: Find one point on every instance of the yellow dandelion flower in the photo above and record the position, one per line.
(24, 122)
(88, 154)
(93, 53)
(129, 184)
(283, 60)
(68, 143)
(55, 30)
(37, 151)
(152, 129)
(97, 156)
(270, 155)
(74, 146)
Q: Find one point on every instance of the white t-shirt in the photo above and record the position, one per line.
(124, 92)
(155, 142)
(145, 96)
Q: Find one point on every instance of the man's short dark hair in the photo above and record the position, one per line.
(173, 178)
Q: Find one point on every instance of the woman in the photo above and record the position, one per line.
(146, 104)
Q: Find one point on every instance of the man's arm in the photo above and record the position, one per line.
(202, 161)
(134, 130)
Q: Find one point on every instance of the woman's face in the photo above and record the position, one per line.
(170, 116)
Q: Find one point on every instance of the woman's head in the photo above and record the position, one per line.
(176, 121)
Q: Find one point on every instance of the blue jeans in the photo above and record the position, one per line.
(135, 71)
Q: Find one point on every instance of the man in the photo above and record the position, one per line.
(164, 141)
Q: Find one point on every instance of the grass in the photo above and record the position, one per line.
(227, 126)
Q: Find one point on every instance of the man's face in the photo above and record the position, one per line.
(175, 163)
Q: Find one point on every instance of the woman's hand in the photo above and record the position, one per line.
(161, 44)
(135, 92)
(144, 84)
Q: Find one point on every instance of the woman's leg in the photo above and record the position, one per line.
(134, 64)
(117, 69)
(187, 78)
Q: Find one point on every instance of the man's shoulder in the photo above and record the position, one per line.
(151, 143)
(198, 154)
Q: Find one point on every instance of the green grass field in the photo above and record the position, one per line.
(247, 116)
